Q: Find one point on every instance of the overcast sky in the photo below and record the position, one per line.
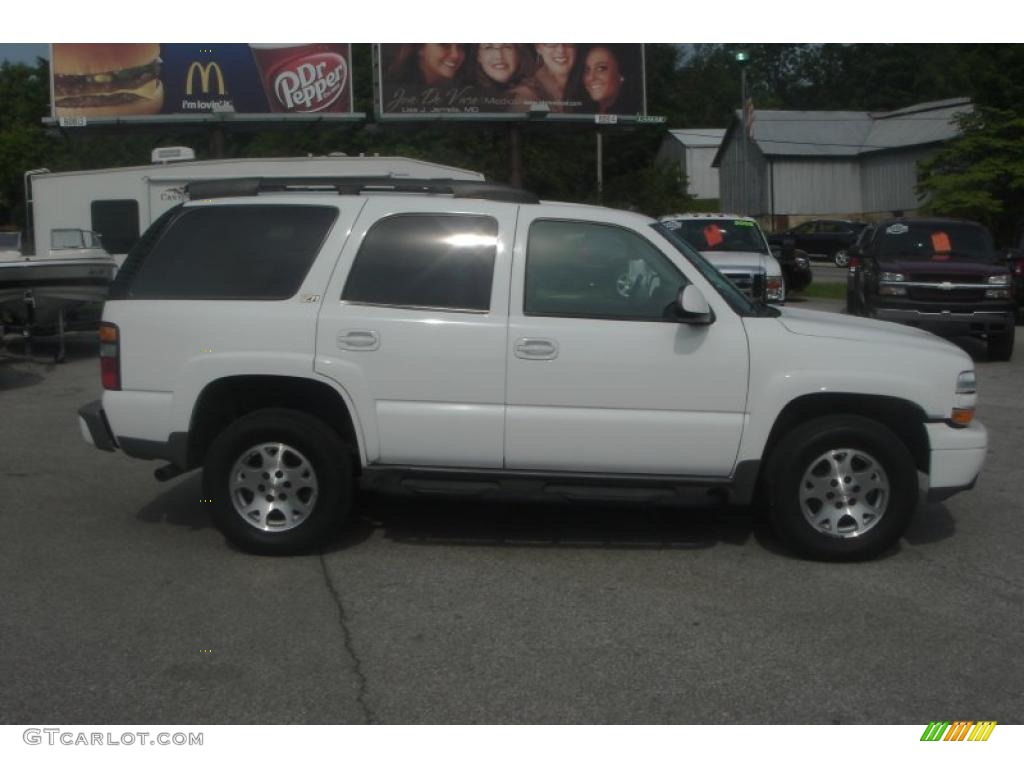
(25, 53)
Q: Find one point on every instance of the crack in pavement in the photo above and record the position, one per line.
(346, 634)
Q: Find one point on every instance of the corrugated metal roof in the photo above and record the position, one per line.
(849, 134)
(699, 137)
(833, 134)
(908, 128)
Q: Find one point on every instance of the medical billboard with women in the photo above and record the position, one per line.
(474, 79)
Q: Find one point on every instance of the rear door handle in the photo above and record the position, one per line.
(359, 340)
(536, 349)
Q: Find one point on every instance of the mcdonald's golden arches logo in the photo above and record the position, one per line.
(205, 71)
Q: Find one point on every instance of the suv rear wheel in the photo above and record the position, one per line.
(279, 481)
(841, 488)
(841, 258)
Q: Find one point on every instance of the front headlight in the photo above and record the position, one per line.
(966, 383)
(966, 390)
(892, 277)
(774, 290)
(999, 280)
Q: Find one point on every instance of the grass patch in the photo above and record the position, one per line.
(823, 291)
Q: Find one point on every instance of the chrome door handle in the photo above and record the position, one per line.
(536, 349)
(359, 341)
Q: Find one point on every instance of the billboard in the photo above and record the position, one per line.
(108, 81)
(589, 80)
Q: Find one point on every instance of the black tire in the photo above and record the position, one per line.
(311, 446)
(1000, 348)
(796, 456)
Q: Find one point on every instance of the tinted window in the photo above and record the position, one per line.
(804, 229)
(232, 252)
(117, 222)
(435, 261)
(579, 269)
(933, 240)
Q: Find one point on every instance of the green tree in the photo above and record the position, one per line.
(980, 174)
(24, 94)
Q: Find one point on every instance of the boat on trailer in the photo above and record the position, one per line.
(41, 292)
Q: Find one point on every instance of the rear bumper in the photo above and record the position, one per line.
(95, 429)
(957, 455)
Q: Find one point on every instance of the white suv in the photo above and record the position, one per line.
(737, 247)
(431, 336)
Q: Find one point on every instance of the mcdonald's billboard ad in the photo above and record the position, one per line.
(599, 81)
(106, 81)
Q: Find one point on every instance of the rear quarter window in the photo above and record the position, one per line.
(255, 252)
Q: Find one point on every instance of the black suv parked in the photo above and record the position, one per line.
(827, 238)
(942, 275)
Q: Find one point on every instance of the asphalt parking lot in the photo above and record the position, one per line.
(122, 604)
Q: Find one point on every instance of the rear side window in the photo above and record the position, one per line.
(426, 261)
(256, 252)
(117, 222)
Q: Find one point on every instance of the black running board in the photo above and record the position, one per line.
(559, 486)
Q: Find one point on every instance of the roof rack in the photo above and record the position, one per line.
(356, 185)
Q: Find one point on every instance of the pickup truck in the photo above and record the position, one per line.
(941, 275)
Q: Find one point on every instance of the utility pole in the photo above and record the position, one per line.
(742, 58)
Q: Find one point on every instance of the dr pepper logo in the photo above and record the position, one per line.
(310, 83)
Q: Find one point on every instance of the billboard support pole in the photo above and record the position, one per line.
(600, 172)
(515, 175)
(216, 141)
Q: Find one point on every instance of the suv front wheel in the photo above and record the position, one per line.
(279, 481)
(841, 488)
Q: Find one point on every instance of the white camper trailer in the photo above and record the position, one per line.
(120, 203)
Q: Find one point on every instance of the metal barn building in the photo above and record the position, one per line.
(831, 164)
(692, 152)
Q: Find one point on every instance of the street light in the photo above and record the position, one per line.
(742, 57)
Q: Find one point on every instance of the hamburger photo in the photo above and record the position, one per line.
(106, 80)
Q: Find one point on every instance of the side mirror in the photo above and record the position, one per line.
(691, 307)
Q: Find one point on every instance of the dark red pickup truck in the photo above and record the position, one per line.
(942, 275)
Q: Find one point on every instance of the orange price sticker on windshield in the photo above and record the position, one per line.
(713, 235)
(940, 242)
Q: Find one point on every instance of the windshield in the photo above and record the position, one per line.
(63, 239)
(720, 235)
(10, 241)
(720, 282)
(935, 241)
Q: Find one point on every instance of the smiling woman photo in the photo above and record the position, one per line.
(426, 64)
(609, 80)
(556, 64)
(500, 69)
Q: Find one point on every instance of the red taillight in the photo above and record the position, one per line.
(110, 356)
(1018, 268)
(854, 262)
